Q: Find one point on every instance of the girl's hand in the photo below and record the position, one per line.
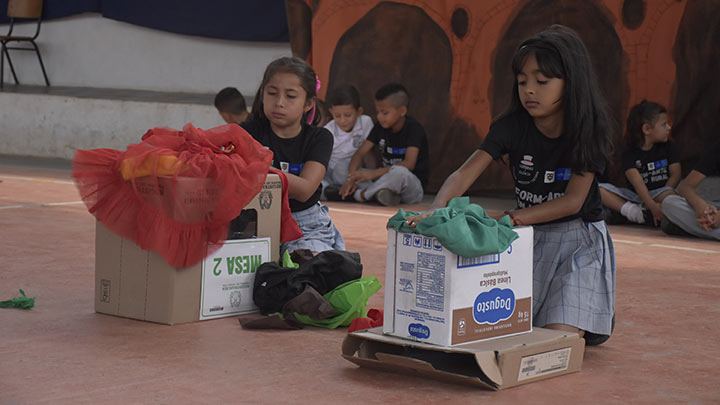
(656, 210)
(709, 219)
(412, 220)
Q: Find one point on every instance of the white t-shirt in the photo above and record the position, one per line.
(347, 143)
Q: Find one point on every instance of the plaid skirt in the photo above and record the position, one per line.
(574, 275)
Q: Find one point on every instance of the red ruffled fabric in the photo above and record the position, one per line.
(176, 190)
(289, 229)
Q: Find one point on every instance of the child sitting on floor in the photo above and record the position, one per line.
(230, 103)
(651, 165)
(691, 214)
(350, 127)
(283, 119)
(404, 149)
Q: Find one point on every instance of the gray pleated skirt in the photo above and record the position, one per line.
(574, 275)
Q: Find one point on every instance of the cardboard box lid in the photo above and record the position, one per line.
(490, 364)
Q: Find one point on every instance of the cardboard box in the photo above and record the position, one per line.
(435, 296)
(139, 284)
(495, 364)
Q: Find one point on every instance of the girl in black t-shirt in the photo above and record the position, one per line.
(282, 119)
(651, 165)
(557, 136)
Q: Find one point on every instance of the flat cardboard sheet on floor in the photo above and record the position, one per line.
(495, 364)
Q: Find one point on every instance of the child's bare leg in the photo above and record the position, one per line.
(612, 200)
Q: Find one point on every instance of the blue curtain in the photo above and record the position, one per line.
(242, 20)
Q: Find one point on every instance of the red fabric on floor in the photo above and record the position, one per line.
(373, 320)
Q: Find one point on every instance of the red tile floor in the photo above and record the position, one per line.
(665, 348)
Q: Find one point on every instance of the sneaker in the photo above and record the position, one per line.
(594, 339)
(387, 197)
(332, 193)
(671, 229)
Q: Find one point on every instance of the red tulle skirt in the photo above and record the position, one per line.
(176, 190)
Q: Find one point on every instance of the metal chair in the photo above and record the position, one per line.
(26, 10)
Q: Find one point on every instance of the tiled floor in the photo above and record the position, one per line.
(665, 348)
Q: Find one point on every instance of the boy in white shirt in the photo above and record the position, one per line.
(349, 127)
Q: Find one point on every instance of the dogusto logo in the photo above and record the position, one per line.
(494, 306)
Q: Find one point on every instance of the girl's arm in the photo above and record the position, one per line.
(641, 189)
(457, 183)
(411, 155)
(570, 203)
(675, 175)
(302, 187)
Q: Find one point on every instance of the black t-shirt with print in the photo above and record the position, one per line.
(709, 163)
(289, 155)
(539, 165)
(653, 164)
(393, 146)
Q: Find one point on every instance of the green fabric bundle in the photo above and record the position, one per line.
(349, 300)
(463, 228)
(23, 302)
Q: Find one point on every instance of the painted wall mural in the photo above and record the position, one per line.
(454, 58)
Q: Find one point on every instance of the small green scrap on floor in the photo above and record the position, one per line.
(23, 302)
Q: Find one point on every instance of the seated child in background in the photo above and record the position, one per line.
(230, 103)
(350, 127)
(692, 214)
(283, 120)
(404, 149)
(651, 166)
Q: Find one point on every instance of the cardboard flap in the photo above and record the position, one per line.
(383, 353)
(488, 364)
(405, 362)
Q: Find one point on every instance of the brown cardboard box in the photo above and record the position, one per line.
(435, 296)
(495, 364)
(139, 284)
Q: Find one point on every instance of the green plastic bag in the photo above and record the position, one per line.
(23, 302)
(349, 300)
(287, 261)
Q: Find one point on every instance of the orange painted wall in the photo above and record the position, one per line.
(642, 67)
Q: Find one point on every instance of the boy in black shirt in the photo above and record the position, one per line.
(404, 149)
